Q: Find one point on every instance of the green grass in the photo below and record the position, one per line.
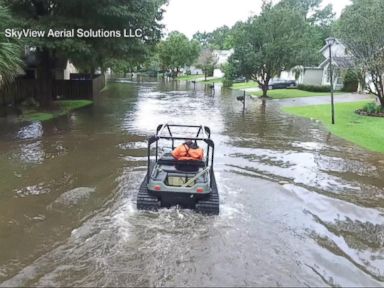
(291, 93)
(211, 81)
(245, 85)
(62, 107)
(190, 77)
(367, 132)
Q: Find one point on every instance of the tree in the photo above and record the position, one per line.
(203, 38)
(10, 55)
(10, 51)
(272, 42)
(206, 61)
(219, 39)
(360, 28)
(177, 51)
(320, 18)
(86, 53)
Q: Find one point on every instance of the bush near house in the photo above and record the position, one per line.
(314, 88)
(351, 81)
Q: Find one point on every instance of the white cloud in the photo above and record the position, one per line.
(190, 16)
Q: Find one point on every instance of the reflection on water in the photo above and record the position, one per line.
(299, 207)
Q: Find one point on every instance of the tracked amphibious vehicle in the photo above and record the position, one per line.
(187, 183)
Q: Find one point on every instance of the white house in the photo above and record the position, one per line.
(318, 76)
(222, 58)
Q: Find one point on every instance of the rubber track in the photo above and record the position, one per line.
(210, 206)
(145, 201)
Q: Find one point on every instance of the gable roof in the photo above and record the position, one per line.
(341, 62)
(326, 45)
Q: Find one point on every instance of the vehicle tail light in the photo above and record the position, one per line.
(199, 190)
(157, 187)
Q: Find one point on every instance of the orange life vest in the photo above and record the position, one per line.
(183, 152)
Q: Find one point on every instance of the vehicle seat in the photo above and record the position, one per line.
(182, 165)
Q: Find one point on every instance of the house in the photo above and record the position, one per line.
(319, 75)
(222, 58)
(64, 67)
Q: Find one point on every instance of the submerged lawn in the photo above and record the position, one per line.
(367, 132)
(211, 81)
(62, 107)
(291, 93)
(190, 77)
(245, 85)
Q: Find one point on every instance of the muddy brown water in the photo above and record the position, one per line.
(299, 207)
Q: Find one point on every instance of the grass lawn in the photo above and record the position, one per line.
(211, 81)
(245, 85)
(190, 77)
(367, 132)
(62, 107)
(291, 93)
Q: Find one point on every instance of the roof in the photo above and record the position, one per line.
(341, 62)
(337, 41)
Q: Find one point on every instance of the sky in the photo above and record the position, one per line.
(190, 16)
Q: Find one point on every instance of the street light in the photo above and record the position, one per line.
(330, 41)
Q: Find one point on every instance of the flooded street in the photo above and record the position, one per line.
(299, 206)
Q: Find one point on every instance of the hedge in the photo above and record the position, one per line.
(314, 88)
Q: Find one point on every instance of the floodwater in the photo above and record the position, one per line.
(299, 207)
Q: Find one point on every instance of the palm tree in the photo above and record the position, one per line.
(10, 56)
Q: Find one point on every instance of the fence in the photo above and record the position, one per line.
(22, 89)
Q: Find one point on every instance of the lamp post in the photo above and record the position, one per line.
(330, 41)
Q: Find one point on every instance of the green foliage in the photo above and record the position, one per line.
(278, 39)
(88, 53)
(177, 51)
(351, 81)
(360, 28)
(219, 39)
(227, 83)
(314, 88)
(10, 51)
(120, 66)
(230, 71)
(372, 108)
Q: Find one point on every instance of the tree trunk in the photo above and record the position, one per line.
(381, 90)
(265, 87)
(45, 79)
(381, 99)
(205, 74)
(265, 90)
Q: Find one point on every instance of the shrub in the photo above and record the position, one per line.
(372, 108)
(314, 88)
(209, 70)
(351, 81)
(227, 83)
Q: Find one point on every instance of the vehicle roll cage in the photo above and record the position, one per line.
(203, 134)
